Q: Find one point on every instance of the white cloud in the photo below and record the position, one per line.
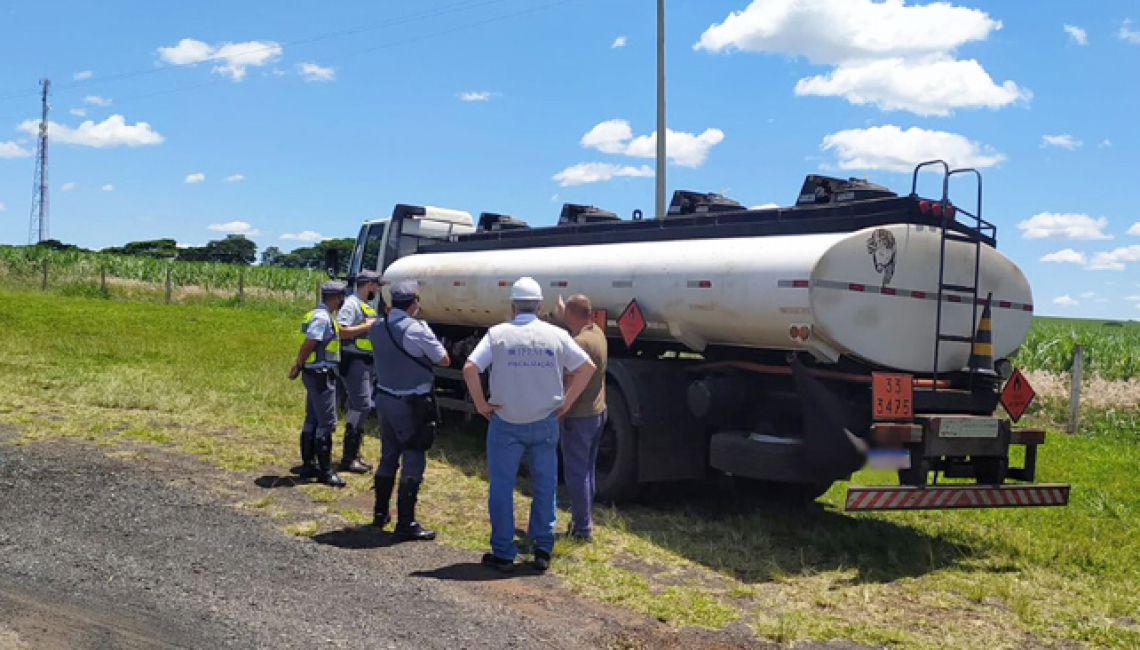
(67, 187)
(931, 86)
(80, 76)
(234, 228)
(1127, 34)
(13, 150)
(232, 58)
(895, 56)
(620, 41)
(111, 132)
(583, 173)
(475, 96)
(1066, 256)
(890, 148)
(195, 178)
(1065, 301)
(304, 235)
(1051, 225)
(1079, 36)
(1114, 260)
(314, 72)
(78, 112)
(3, 207)
(96, 100)
(1106, 143)
(765, 206)
(1135, 229)
(1064, 141)
(108, 188)
(684, 149)
(1135, 298)
(1088, 294)
(235, 178)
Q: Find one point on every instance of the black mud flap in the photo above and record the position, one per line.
(830, 451)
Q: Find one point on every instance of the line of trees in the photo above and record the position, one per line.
(236, 249)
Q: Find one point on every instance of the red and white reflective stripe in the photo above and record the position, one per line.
(559, 283)
(905, 497)
(699, 284)
(902, 293)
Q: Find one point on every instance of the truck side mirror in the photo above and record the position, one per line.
(332, 262)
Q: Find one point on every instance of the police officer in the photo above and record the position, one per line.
(528, 359)
(404, 350)
(354, 319)
(316, 364)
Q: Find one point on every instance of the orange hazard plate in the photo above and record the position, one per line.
(892, 396)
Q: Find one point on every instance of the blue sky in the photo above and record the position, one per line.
(298, 119)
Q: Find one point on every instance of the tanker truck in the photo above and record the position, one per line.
(782, 349)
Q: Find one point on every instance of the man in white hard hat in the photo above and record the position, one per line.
(528, 359)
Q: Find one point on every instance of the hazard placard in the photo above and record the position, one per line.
(631, 323)
(892, 396)
(1017, 395)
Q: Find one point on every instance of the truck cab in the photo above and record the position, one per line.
(383, 241)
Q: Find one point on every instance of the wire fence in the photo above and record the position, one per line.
(150, 279)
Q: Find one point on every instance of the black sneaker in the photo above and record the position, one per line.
(498, 563)
(580, 536)
(541, 560)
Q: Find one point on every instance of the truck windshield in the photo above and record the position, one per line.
(366, 254)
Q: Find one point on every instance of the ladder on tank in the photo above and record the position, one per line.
(971, 232)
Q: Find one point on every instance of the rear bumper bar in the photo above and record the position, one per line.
(941, 497)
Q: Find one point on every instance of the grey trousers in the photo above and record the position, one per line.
(399, 424)
(358, 389)
(320, 406)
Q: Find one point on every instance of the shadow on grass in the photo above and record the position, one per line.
(356, 538)
(475, 572)
(752, 538)
(271, 481)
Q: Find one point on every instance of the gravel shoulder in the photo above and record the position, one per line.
(105, 551)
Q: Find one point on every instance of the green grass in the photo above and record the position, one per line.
(210, 380)
(1112, 351)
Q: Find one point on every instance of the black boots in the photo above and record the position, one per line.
(350, 460)
(309, 468)
(407, 528)
(324, 458)
(383, 486)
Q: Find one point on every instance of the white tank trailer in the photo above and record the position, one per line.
(744, 343)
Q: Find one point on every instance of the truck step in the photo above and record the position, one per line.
(905, 497)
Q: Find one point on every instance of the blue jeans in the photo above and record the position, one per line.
(580, 438)
(506, 444)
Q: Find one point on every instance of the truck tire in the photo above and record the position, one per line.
(778, 492)
(616, 471)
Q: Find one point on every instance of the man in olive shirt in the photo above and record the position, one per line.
(582, 424)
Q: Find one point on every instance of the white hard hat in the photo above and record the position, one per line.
(526, 289)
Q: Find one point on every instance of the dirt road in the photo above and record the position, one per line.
(104, 552)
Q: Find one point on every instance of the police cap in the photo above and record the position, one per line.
(330, 287)
(364, 277)
(405, 290)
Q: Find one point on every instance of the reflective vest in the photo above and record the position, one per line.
(362, 343)
(327, 352)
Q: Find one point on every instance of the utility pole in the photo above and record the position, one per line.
(39, 229)
(660, 207)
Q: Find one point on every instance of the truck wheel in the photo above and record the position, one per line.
(616, 478)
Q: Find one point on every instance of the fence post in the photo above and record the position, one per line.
(168, 283)
(43, 286)
(103, 278)
(241, 284)
(1075, 398)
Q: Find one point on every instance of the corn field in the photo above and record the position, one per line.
(1112, 350)
(24, 265)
